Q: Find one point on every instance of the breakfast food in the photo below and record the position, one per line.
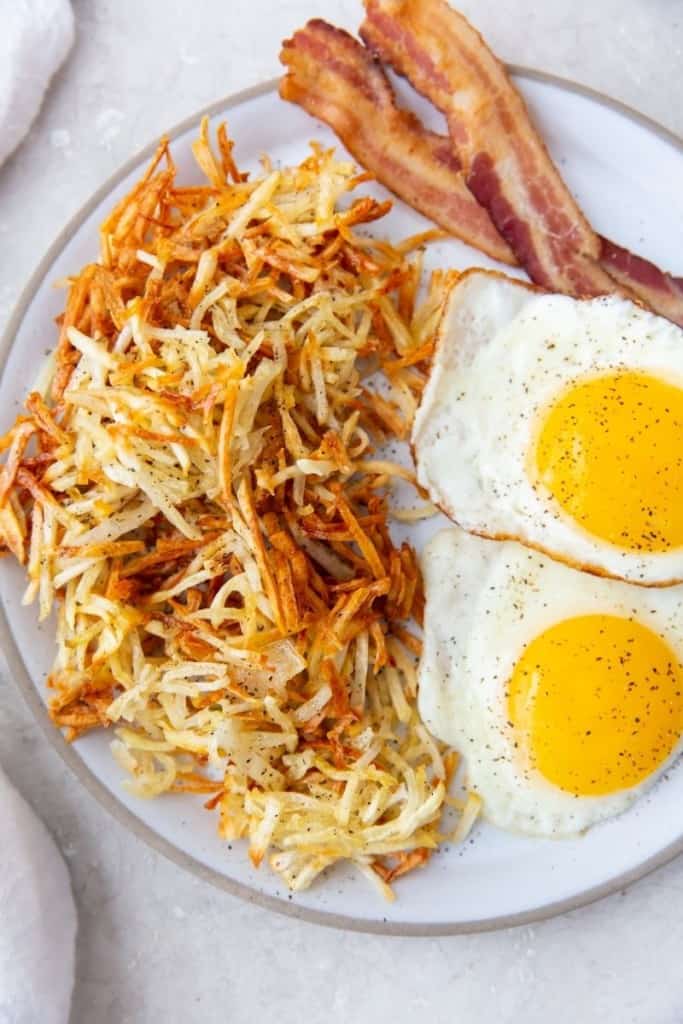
(564, 691)
(662, 292)
(506, 164)
(558, 422)
(198, 487)
(505, 160)
(546, 419)
(494, 153)
(193, 491)
(334, 77)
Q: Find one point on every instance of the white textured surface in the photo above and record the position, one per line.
(154, 944)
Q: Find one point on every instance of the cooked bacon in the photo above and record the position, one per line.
(507, 165)
(662, 292)
(333, 77)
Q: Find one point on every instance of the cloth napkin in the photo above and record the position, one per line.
(35, 37)
(37, 918)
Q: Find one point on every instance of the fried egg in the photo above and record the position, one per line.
(558, 422)
(563, 691)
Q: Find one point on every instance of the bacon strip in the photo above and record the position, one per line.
(662, 292)
(334, 78)
(507, 165)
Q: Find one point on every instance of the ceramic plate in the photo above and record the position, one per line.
(625, 172)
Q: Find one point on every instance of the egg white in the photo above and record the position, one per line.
(485, 602)
(504, 353)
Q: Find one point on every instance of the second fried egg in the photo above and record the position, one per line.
(563, 691)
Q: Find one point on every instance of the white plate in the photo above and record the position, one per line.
(625, 172)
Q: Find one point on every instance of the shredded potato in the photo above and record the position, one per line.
(201, 500)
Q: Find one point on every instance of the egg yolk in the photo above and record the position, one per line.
(610, 451)
(596, 704)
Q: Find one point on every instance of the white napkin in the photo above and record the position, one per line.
(35, 37)
(37, 919)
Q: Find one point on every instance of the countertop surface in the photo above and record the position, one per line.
(155, 944)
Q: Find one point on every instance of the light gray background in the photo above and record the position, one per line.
(154, 944)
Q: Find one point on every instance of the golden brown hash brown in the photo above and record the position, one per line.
(196, 490)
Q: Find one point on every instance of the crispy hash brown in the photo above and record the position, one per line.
(196, 491)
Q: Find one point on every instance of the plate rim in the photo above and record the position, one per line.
(104, 796)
